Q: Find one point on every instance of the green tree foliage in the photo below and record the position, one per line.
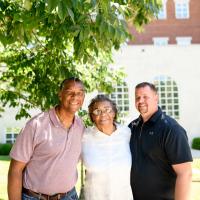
(45, 41)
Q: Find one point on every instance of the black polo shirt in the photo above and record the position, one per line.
(155, 146)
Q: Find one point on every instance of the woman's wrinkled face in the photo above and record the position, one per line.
(102, 113)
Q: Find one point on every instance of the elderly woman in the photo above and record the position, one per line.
(106, 154)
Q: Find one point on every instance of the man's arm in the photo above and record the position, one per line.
(15, 180)
(183, 180)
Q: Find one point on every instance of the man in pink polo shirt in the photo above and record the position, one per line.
(46, 152)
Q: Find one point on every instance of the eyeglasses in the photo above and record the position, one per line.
(98, 112)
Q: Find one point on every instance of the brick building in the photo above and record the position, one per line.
(178, 21)
(167, 54)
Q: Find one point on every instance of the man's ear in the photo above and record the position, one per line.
(157, 98)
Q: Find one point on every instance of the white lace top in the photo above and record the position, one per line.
(108, 163)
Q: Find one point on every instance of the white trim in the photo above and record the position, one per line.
(182, 9)
(13, 132)
(168, 95)
(181, 1)
(160, 41)
(4, 135)
(162, 14)
(183, 41)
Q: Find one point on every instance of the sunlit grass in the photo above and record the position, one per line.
(4, 165)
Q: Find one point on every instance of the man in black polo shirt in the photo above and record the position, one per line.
(161, 156)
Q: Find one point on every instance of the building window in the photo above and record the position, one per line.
(11, 134)
(160, 41)
(163, 11)
(168, 95)
(120, 96)
(183, 41)
(182, 9)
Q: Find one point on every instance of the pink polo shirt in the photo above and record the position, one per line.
(51, 153)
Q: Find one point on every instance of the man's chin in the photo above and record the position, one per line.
(74, 109)
(143, 111)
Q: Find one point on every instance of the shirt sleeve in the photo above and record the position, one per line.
(177, 147)
(23, 148)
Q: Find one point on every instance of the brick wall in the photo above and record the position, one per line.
(172, 27)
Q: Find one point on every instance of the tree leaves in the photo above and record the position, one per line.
(71, 14)
(46, 41)
(51, 5)
(62, 10)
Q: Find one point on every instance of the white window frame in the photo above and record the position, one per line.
(120, 96)
(183, 41)
(168, 95)
(182, 9)
(160, 41)
(13, 132)
(162, 14)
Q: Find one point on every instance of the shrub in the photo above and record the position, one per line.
(5, 148)
(196, 143)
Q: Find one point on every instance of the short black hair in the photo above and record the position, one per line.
(144, 84)
(75, 79)
(102, 98)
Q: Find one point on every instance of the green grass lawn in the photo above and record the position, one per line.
(195, 194)
(4, 164)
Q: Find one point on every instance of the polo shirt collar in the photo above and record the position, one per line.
(155, 116)
(55, 120)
